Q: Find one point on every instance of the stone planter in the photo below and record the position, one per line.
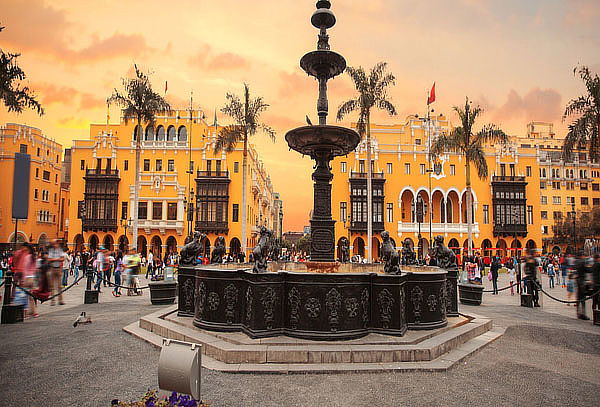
(470, 294)
(163, 292)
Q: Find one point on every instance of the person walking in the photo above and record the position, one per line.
(76, 266)
(66, 266)
(581, 269)
(99, 268)
(150, 266)
(24, 275)
(56, 258)
(596, 278)
(510, 267)
(551, 273)
(531, 275)
(118, 270)
(494, 271)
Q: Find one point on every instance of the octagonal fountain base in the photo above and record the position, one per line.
(316, 306)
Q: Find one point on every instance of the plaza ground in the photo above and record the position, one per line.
(546, 357)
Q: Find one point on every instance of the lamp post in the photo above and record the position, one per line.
(573, 214)
(419, 215)
(126, 224)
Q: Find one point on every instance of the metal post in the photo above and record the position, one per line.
(16, 231)
(574, 215)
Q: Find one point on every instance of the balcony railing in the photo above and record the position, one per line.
(375, 175)
(508, 178)
(413, 227)
(362, 226)
(163, 144)
(212, 226)
(100, 224)
(212, 174)
(106, 172)
(510, 230)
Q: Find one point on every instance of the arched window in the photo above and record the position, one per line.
(149, 133)
(182, 134)
(160, 133)
(171, 136)
(136, 131)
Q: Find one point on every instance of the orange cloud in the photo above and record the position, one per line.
(50, 93)
(89, 101)
(44, 30)
(537, 104)
(207, 60)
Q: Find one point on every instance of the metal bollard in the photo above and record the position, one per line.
(90, 296)
(10, 313)
(179, 367)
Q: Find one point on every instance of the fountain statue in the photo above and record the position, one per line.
(192, 249)
(344, 245)
(322, 142)
(408, 254)
(261, 251)
(219, 251)
(390, 255)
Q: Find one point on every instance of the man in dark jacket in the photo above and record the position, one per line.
(531, 275)
(494, 270)
(581, 268)
(596, 274)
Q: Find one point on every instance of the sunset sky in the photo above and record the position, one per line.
(513, 57)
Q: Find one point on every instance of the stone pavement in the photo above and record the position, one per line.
(546, 357)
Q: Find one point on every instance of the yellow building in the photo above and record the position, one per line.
(184, 186)
(45, 196)
(528, 185)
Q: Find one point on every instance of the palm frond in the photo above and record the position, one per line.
(387, 106)
(476, 156)
(228, 138)
(490, 134)
(347, 107)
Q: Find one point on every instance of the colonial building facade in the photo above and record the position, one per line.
(529, 185)
(184, 186)
(48, 196)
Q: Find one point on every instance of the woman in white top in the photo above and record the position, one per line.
(511, 275)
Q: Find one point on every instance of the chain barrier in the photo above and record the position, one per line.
(43, 300)
(500, 289)
(539, 286)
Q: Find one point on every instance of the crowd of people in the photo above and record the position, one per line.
(579, 275)
(43, 273)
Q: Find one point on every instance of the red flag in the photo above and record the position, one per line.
(431, 97)
(166, 87)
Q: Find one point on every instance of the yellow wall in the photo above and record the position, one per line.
(115, 141)
(37, 228)
(399, 145)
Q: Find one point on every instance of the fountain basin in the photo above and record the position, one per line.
(308, 140)
(314, 306)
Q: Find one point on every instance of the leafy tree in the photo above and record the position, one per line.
(463, 140)
(584, 131)
(15, 97)
(246, 116)
(140, 103)
(372, 94)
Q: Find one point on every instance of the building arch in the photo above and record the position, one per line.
(454, 246)
(235, 246)
(21, 237)
(182, 133)
(486, 246)
(424, 248)
(156, 246)
(142, 245)
(78, 243)
(171, 133)
(556, 250)
(149, 136)
(517, 248)
(42, 240)
(376, 248)
(531, 244)
(123, 243)
(108, 242)
(93, 242)
(358, 247)
(438, 208)
(136, 131)
(407, 197)
(171, 244)
(206, 244)
(501, 248)
(452, 207)
(160, 133)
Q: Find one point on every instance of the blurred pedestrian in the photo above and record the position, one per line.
(494, 268)
(118, 270)
(550, 271)
(66, 266)
(581, 269)
(24, 276)
(531, 274)
(510, 267)
(56, 258)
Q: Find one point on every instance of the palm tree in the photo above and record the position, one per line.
(372, 93)
(141, 103)
(470, 145)
(245, 114)
(15, 97)
(584, 131)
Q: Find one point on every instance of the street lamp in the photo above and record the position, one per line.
(573, 214)
(126, 224)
